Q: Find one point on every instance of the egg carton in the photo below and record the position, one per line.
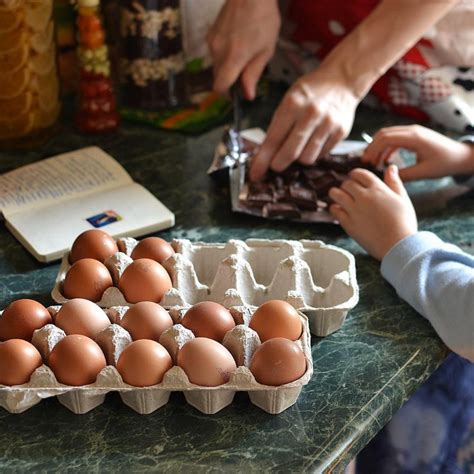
(317, 279)
(241, 341)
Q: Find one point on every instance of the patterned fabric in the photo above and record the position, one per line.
(423, 84)
(433, 432)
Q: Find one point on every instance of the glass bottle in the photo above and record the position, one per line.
(97, 107)
(29, 82)
(152, 65)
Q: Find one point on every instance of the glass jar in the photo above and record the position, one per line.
(151, 55)
(96, 100)
(29, 82)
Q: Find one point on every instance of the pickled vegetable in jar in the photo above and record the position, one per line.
(29, 83)
(97, 111)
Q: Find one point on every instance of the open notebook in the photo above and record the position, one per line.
(48, 203)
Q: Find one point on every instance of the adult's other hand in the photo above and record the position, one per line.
(242, 41)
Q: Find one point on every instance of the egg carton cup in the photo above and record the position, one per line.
(316, 278)
(241, 341)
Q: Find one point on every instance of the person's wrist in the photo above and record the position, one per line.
(331, 74)
(336, 72)
(470, 159)
(465, 164)
(394, 240)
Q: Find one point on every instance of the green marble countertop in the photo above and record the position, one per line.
(362, 374)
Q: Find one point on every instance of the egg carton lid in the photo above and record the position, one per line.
(316, 278)
(43, 384)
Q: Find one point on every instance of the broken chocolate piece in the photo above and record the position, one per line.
(303, 197)
(340, 163)
(323, 184)
(282, 194)
(260, 194)
(292, 173)
(281, 209)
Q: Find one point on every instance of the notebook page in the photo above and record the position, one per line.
(57, 179)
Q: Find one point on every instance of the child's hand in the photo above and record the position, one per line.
(437, 155)
(376, 214)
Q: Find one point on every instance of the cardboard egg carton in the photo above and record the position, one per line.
(316, 278)
(241, 341)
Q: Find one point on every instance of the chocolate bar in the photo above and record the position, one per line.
(300, 191)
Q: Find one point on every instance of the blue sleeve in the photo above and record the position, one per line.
(437, 279)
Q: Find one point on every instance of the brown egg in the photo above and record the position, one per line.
(87, 278)
(79, 316)
(276, 318)
(18, 360)
(208, 319)
(21, 318)
(146, 320)
(144, 280)
(93, 243)
(153, 248)
(278, 361)
(76, 360)
(144, 363)
(206, 362)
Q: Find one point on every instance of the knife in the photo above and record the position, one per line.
(241, 157)
(237, 106)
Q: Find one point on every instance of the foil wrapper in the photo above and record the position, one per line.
(234, 149)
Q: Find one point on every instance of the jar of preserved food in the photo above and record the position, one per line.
(151, 55)
(97, 109)
(29, 82)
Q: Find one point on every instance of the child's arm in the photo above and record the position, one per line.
(435, 278)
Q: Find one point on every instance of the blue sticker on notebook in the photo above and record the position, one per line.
(104, 218)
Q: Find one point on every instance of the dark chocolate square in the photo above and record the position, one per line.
(304, 198)
(260, 194)
(281, 209)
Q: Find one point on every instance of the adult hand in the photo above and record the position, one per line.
(436, 155)
(375, 213)
(242, 41)
(314, 115)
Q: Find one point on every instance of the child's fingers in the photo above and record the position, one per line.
(363, 177)
(393, 181)
(342, 198)
(353, 188)
(340, 214)
(418, 171)
(389, 139)
(385, 155)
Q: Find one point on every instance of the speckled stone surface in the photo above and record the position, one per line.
(362, 374)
